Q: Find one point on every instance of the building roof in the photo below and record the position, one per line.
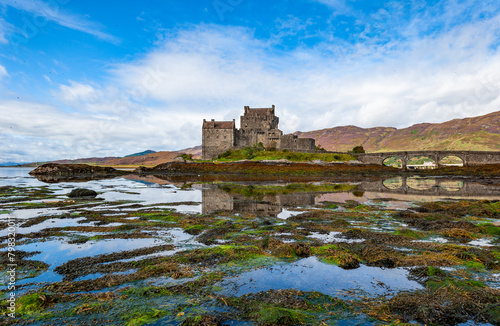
(258, 112)
(218, 124)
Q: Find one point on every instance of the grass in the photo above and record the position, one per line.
(257, 154)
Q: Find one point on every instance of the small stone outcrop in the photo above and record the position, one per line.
(73, 170)
(82, 192)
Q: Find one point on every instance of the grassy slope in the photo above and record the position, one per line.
(258, 155)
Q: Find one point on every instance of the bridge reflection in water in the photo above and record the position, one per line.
(431, 187)
(400, 189)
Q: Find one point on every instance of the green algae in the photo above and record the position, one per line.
(141, 318)
(338, 255)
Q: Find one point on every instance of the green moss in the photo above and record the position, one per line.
(363, 208)
(147, 291)
(221, 254)
(449, 282)
(279, 316)
(141, 318)
(333, 254)
(159, 216)
(32, 304)
(475, 265)
(489, 229)
(410, 233)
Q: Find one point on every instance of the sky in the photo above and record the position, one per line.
(110, 78)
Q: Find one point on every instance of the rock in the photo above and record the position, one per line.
(81, 192)
(74, 170)
(179, 159)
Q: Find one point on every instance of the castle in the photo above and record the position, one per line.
(256, 126)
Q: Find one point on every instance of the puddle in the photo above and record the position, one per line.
(310, 274)
(285, 214)
(50, 223)
(332, 237)
(55, 253)
(481, 243)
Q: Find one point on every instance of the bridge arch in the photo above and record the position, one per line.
(421, 184)
(393, 160)
(419, 161)
(393, 183)
(451, 160)
(452, 185)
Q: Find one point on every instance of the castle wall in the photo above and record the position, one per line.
(214, 199)
(258, 119)
(293, 143)
(217, 138)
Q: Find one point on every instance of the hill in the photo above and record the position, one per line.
(478, 133)
(151, 158)
(146, 152)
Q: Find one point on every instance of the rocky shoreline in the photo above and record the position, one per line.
(268, 169)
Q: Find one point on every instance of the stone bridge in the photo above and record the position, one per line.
(469, 158)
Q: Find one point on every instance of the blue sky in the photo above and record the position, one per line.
(109, 78)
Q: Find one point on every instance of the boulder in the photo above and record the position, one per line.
(81, 192)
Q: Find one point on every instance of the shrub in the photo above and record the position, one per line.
(358, 149)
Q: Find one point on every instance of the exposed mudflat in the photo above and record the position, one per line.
(180, 251)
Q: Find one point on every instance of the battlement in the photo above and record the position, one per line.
(258, 111)
(212, 124)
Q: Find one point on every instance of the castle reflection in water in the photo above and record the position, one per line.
(216, 199)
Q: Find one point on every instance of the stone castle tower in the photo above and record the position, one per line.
(256, 126)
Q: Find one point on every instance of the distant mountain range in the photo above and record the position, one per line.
(148, 157)
(479, 133)
(146, 152)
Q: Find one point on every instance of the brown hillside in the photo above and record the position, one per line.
(478, 133)
(148, 159)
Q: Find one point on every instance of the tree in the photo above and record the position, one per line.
(358, 149)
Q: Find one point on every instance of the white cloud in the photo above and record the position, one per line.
(3, 72)
(77, 91)
(5, 29)
(218, 71)
(54, 11)
(338, 6)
